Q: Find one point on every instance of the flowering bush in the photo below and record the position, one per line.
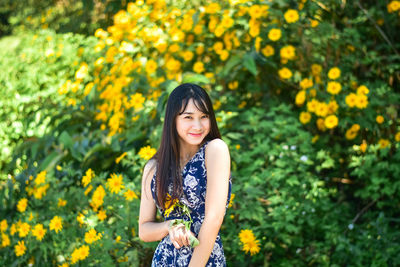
(305, 95)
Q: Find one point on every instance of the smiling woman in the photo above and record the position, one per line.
(188, 181)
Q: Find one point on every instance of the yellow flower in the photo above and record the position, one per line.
(41, 178)
(362, 90)
(334, 87)
(64, 265)
(361, 101)
(39, 192)
(147, 152)
(257, 11)
(82, 71)
(198, 67)
(20, 248)
(355, 127)
(115, 183)
(252, 246)
(331, 121)
(224, 55)
(305, 117)
(213, 8)
(22, 204)
(117, 160)
(227, 22)
(316, 69)
(232, 196)
(312, 105)
(151, 66)
(92, 236)
(274, 34)
(383, 143)
(87, 178)
(306, 83)
(233, 85)
(24, 229)
(61, 202)
(80, 253)
(291, 16)
(322, 109)
(393, 6)
(87, 90)
(314, 23)
(38, 231)
(187, 55)
(285, 73)
(363, 146)
(56, 224)
(268, 51)
(173, 48)
(130, 195)
(87, 191)
(249, 242)
(288, 52)
(13, 229)
(101, 215)
(97, 197)
(254, 27)
(332, 107)
(171, 206)
(5, 240)
(321, 124)
(198, 29)
(300, 97)
(397, 137)
(80, 218)
(380, 119)
(173, 65)
(3, 225)
(334, 73)
(351, 134)
(351, 100)
(137, 101)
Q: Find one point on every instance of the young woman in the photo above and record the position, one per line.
(192, 166)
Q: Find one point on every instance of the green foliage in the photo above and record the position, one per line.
(34, 66)
(84, 16)
(312, 195)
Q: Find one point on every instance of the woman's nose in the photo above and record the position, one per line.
(197, 125)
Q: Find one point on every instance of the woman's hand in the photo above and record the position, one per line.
(179, 235)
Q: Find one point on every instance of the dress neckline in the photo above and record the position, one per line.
(192, 158)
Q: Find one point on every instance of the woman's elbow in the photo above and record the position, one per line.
(142, 234)
(215, 219)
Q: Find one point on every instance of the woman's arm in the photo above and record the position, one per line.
(218, 170)
(149, 230)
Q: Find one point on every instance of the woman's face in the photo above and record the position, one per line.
(192, 125)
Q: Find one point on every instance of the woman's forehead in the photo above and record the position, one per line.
(192, 107)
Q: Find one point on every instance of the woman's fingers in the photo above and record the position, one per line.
(179, 236)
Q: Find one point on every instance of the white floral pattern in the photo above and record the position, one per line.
(194, 176)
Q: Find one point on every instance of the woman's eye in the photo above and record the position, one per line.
(188, 117)
(204, 117)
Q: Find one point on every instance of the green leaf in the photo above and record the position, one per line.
(250, 64)
(195, 78)
(66, 139)
(232, 62)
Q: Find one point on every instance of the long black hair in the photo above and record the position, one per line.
(168, 155)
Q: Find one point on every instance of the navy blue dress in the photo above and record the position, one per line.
(194, 176)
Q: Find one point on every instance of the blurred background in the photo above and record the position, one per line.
(306, 95)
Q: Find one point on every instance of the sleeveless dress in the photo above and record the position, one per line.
(194, 177)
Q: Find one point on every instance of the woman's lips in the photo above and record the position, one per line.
(195, 135)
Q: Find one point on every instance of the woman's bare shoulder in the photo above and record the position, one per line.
(217, 147)
(150, 168)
